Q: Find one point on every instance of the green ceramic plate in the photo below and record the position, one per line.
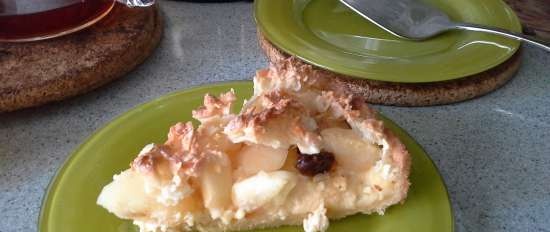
(70, 206)
(327, 34)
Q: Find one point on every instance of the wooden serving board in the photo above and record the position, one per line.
(36, 73)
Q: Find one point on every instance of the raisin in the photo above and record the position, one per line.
(311, 165)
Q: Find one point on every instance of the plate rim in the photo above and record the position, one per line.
(516, 23)
(45, 206)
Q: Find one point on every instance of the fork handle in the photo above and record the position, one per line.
(498, 31)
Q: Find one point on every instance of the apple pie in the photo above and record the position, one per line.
(299, 152)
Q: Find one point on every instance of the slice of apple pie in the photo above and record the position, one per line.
(299, 152)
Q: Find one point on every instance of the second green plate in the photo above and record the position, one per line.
(327, 34)
(70, 204)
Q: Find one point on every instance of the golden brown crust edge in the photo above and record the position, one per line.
(402, 159)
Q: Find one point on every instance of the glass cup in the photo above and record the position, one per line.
(30, 20)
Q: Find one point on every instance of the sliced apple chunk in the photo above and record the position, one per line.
(263, 188)
(254, 158)
(114, 195)
(215, 182)
(350, 149)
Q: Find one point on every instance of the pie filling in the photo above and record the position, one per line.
(299, 152)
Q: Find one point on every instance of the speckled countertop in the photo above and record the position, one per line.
(493, 152)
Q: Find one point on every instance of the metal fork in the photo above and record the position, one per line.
(415, 20)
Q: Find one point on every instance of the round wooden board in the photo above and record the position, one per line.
(407, 94)
(39, 72)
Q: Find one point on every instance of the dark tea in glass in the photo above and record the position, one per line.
(28, 20)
